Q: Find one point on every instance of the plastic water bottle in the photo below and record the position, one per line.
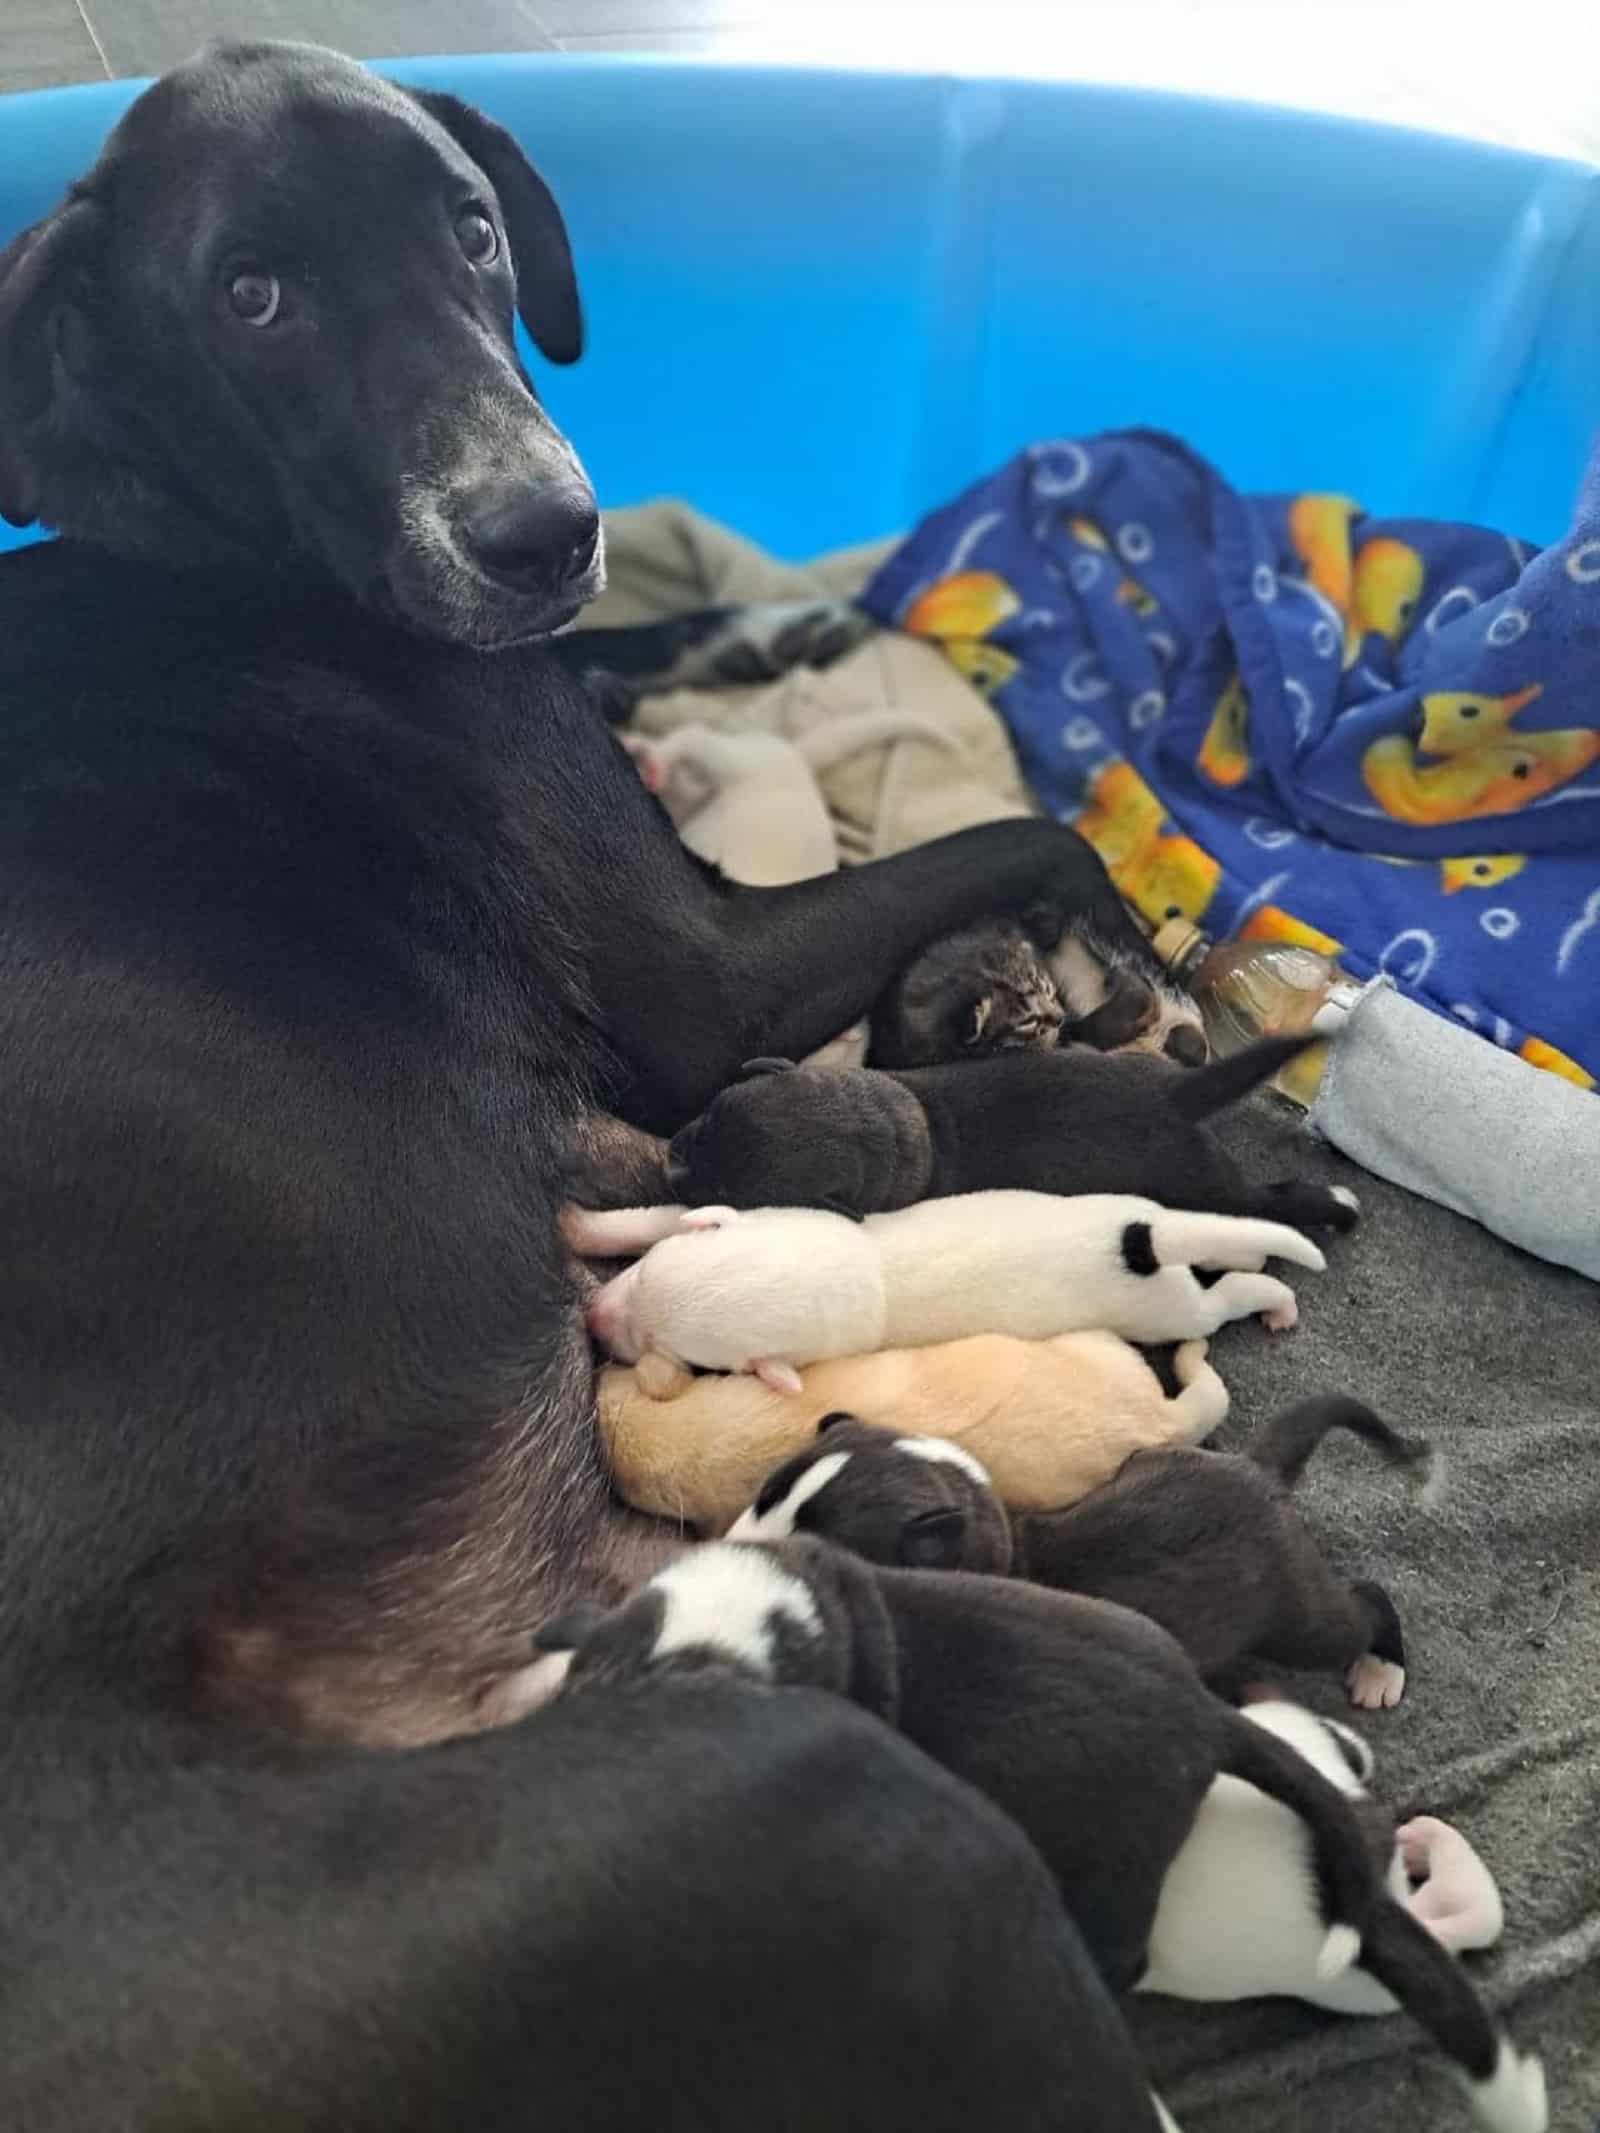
(1251, 989)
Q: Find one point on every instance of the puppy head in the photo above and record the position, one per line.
(614, 1315)
(716, 1605)
(916, 1503)
(785, 1136)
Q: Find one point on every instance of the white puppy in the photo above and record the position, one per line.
(749, 803)
(783, 1286)
(1239, 1917)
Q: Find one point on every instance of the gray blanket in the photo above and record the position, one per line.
(1495, 1356)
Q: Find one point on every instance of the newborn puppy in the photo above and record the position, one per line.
(1238, 1920)
(1050, 1420)
(784, 1286)
(1207, 1544)
(1070, 1121)
(748, 802)
(1083, 1722)
(983, 990)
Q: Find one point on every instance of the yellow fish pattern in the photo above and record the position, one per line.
(1539, 1054)
(1225, 752)
(1319, 534)
(987, 666)
(1166, 875)
(1268, 923)
(1385, 588)
(1483, 767)
(1486, 872)
(970, 604)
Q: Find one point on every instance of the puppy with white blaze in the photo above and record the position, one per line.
(1082, 1721)
(783, 1286)
(1239, 1919)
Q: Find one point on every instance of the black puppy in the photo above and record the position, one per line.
(1084, 1721)
(1067, 1121)
(1207, 1544)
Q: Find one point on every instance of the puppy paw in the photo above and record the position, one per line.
(1375, 1684)
(1282, 1318)
(707, 1217)
(776, 1376)
(1457, 1899)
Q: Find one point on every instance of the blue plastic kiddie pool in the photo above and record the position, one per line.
(819, 303)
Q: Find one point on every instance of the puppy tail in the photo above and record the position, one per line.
(1181, 1238)
(1350, 1875)
(1209, 1089)
(1505, 2088)
(1202, 1403)
(1285, 1444)
(835, 742)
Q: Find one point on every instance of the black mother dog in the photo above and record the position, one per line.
(331, 919)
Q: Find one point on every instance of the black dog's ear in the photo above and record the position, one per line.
(547, 288)
(933, 1540)
(43, 341)
(754, 1067)
(571, 1631)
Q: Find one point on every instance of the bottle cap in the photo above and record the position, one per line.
(1177, 940)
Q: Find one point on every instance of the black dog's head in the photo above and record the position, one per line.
(274, 325)
(785, 1136)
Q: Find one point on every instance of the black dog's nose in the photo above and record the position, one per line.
(534, 538)
(1187, 1045)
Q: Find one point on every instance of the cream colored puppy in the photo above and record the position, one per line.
(781, 1286)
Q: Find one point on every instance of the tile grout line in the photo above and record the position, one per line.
(94, 39)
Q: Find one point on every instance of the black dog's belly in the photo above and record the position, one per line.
(616, 1902)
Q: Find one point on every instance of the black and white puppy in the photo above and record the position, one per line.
(1206, 1543)
(1063, 1121)
(1083, 1721)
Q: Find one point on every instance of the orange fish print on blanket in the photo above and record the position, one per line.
(959, 612)
(1539, 1054)
(1166, 875)
(1225, 752)
(1386, 586)
(1484, 766)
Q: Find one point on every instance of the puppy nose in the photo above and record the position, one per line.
(1187, 1045)
(538, 539)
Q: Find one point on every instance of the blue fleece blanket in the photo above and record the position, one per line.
(1277, 715)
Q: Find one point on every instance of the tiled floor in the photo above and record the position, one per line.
(1415, 62)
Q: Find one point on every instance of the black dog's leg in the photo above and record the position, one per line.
(819, 953)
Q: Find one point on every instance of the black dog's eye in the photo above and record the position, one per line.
(477, 236)
(254, 297)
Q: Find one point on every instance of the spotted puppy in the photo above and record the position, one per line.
(1206, 1543)
(785, 1286)
(1070, 1121)
(1238, 1919)
(1082, 1721)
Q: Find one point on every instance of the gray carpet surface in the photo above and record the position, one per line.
(1494, 1355)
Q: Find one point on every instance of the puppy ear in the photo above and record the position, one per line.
(752, 1068)
(835, 1206)
(44, 340)
(547, 288)
(571, 1631)
(933, 1540)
